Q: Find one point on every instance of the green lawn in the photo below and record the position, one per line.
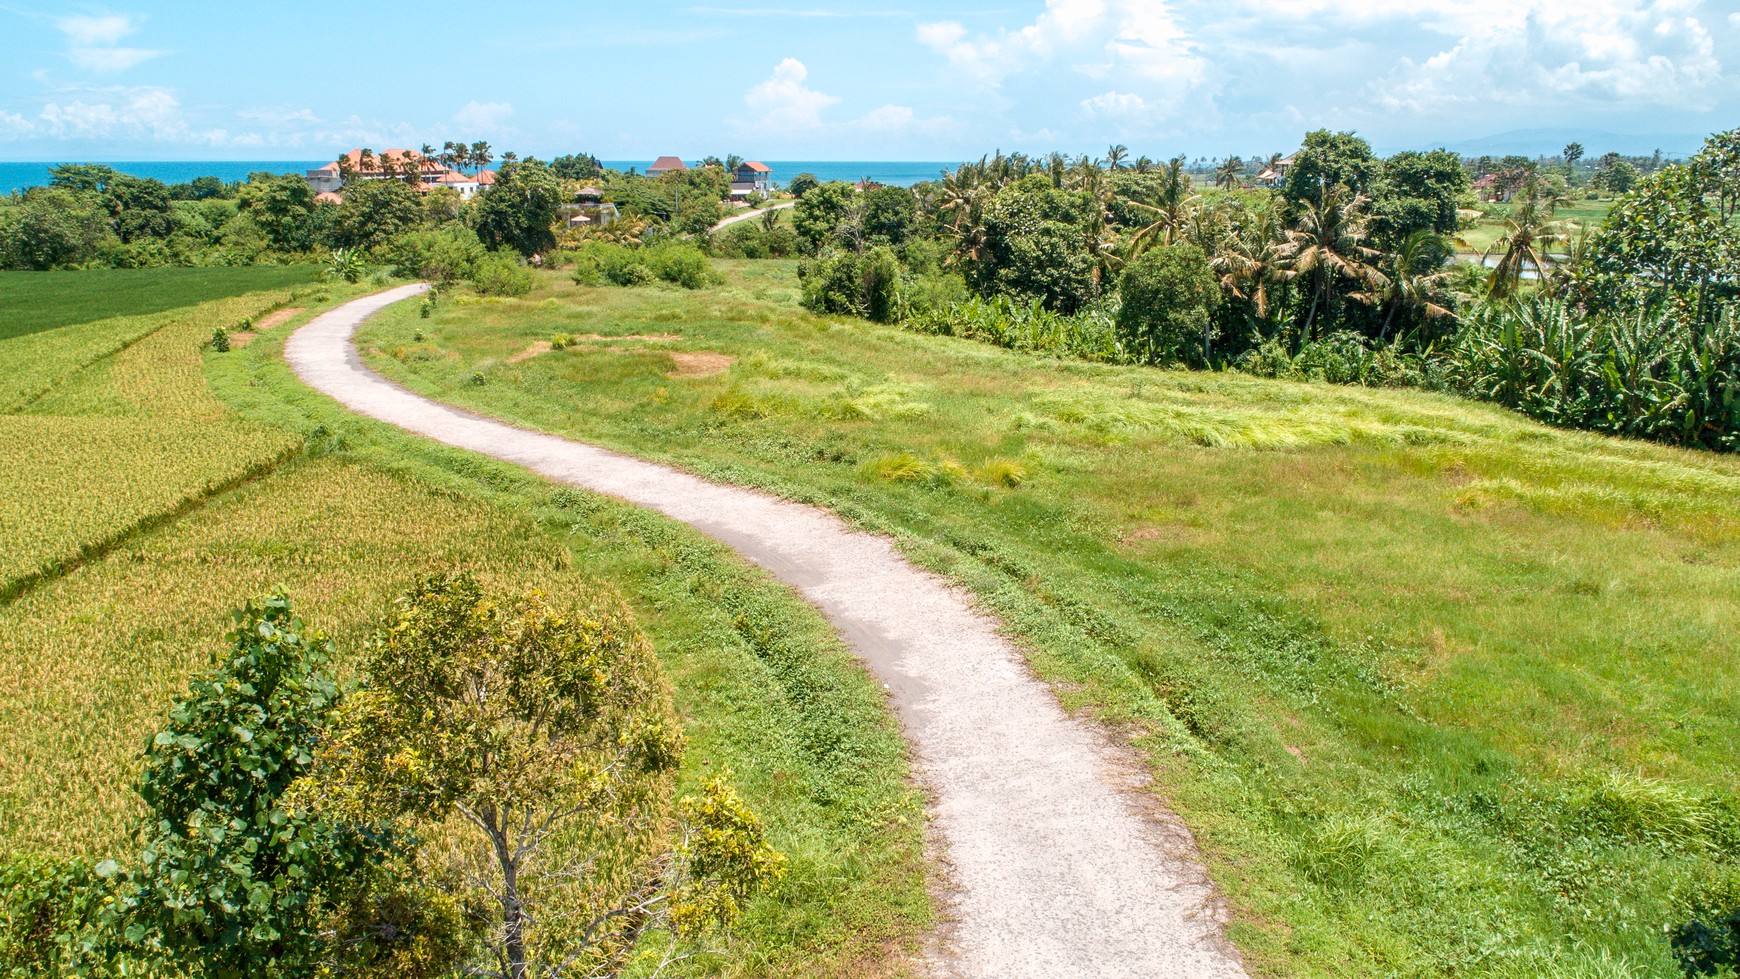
(31, 302)
(123, 463)
(1443, 692)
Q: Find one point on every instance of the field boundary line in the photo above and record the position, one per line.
(21, 586)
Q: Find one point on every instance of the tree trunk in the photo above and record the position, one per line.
(513, 908)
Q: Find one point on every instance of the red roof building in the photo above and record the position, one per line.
(666, 164)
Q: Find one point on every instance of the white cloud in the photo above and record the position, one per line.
(784, 102)
(93, 43)
(107, 61)
(278, 117)
(1115, 104)
(1609, 52)
(899, 119)
(483, 116)
(87, 31)
(1734, 19)
(1140, 44)
(993, 57)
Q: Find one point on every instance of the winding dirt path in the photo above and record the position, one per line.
(1061, 864)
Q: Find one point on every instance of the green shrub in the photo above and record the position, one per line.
(51, 918)
(220, 340)
(870, 285)
(561, 341)
(500, 275)
(683, 265)
(1169, 296)
(443, 255)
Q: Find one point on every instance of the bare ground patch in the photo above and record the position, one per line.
(535, 350)
(242, 338)
(699, 363)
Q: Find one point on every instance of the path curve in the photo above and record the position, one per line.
(736, 218)
(1061, 864)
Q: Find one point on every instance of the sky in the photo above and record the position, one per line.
(855, 79)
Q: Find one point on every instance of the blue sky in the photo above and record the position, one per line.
(856, 80)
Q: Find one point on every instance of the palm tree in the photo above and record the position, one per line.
(1252, 260)
(1228, 174)
(1116, 155)
(479, 155)
(1143, 164)
(733, 161)
(1529, 233)
(1167, 212)
(1326, 245)
(1413, 281)
(770, 219)
(366, 160)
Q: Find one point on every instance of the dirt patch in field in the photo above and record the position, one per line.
(277, 318)
(593, 337)
(700, 363)
(541, 347)
(242, 338)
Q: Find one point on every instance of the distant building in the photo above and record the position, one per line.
(405, 165)
(666, 164)
(589, 209)
(1276, 175)
(750, 179)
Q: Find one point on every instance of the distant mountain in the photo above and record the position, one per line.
(1548, 142)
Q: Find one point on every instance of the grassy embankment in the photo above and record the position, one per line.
(1442, 691)
(190, 480)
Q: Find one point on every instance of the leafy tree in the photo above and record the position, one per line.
(1417, 192)
(888, 215)
(139, 208)
(282, 206)
(53, 228)
(819, 211)
(234, 881)
(528, 725)
(1169, 296)
(583, 166)
(1329, 160)
(205, 188)
(89, 178)
(1033, 246)
(520, 210)
(375, 212)
(802, 184)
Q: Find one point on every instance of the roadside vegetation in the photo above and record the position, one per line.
(1442, 691)
(123, 702)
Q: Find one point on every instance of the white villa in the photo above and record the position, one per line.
(407, 165)
(751, 178)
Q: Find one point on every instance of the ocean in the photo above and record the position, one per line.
(17, 176)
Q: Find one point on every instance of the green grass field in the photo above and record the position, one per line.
(137, 556)
(1443, 692)
(31, 302)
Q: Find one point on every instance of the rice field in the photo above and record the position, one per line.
(155, 486)
(114, 428)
